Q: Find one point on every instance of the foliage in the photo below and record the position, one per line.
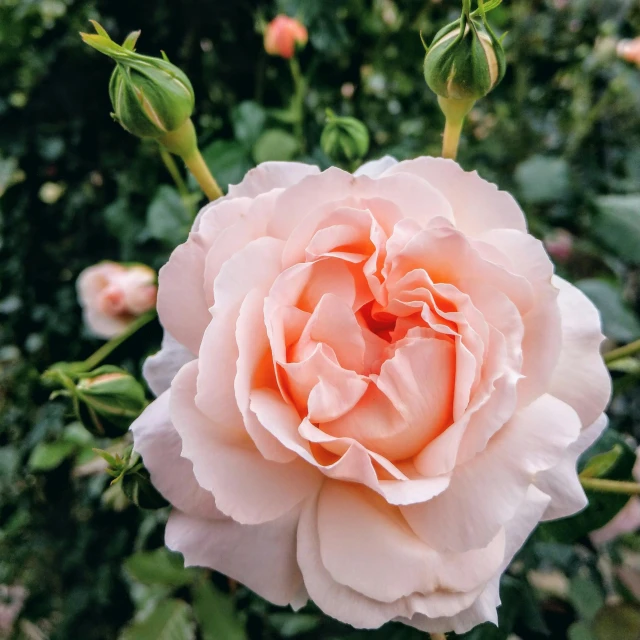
(562, 132)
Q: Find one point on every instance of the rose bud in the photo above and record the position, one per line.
(559, 244)
(283, 35)
(344, 138)
(150, 96)
(136, 485)
(108, 400)
(465, 60)
(629, 50)
(113, 295)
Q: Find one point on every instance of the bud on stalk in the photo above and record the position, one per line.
(153, 98)
(464, 63)
(108, 400)
(344, 138)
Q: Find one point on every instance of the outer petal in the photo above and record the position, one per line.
(159, 444)
(263, 557)
(182, 305)
(561, 482)
(581, 378)
(478, 205)
(271, 175)
(489, 488)
(246, 487)
(375, 168)
(161, 368)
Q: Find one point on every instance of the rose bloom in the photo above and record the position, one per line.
(380, 389)
(112, 295)
(629, 50)
(282, 35)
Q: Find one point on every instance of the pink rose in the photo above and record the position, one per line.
(385, 390)
(112, 295)
(629, 50)
(282, 35)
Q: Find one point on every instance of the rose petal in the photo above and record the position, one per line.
(263, 556)
(581, 378)
(160, 368)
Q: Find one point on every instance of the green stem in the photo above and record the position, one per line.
(611, 486)
(181, 185)
(95, 359)
(299, 87)
(196, 164)
(455, 111)
(622, 352)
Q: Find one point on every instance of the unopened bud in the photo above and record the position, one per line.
(559, 244)
(283, 35)
(465, 60)
(108, 400)
(344, 138)
(137, 486)
(629, 50)
(150, 96)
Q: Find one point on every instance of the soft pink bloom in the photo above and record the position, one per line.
(380, 389)
(559, 244)
(112, 295)
(11, 600)
(629, 50)
(282, 35)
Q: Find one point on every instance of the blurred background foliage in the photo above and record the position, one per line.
(562, 132)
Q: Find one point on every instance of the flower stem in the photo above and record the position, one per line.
(622, 352)
(451, 138)
(611, 486)
(196, 164)
(95, 359)
(455, 111)
(297, 103)
(181, 185)
(438, 636)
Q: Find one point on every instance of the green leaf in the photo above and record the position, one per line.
(619, 323)
(159, 567)
(580, 631)
(602, 506)
(586, 597)
(543, 179)
(602, 463)
(216, 614)
(289, 625)
(248, 120)
(49, 455)
(617, 622)
(618, 225)
(228, 161)
(275, 144)
(169, 620)
(167, 219)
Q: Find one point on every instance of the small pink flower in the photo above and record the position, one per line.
(282, 36)
(113, 295)
(372, 388)
(559, 244)
(629, 50)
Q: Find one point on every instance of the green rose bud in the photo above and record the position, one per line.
(344, 138)
(137, 486)
(465, 60)
(108, 400)
(150, 96)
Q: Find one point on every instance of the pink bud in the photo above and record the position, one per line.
(282, 35)
(629, 50)
(559, 244)
(112, 295)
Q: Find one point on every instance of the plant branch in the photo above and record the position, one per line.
(611, 486)
(622, 352)
(94, 360)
